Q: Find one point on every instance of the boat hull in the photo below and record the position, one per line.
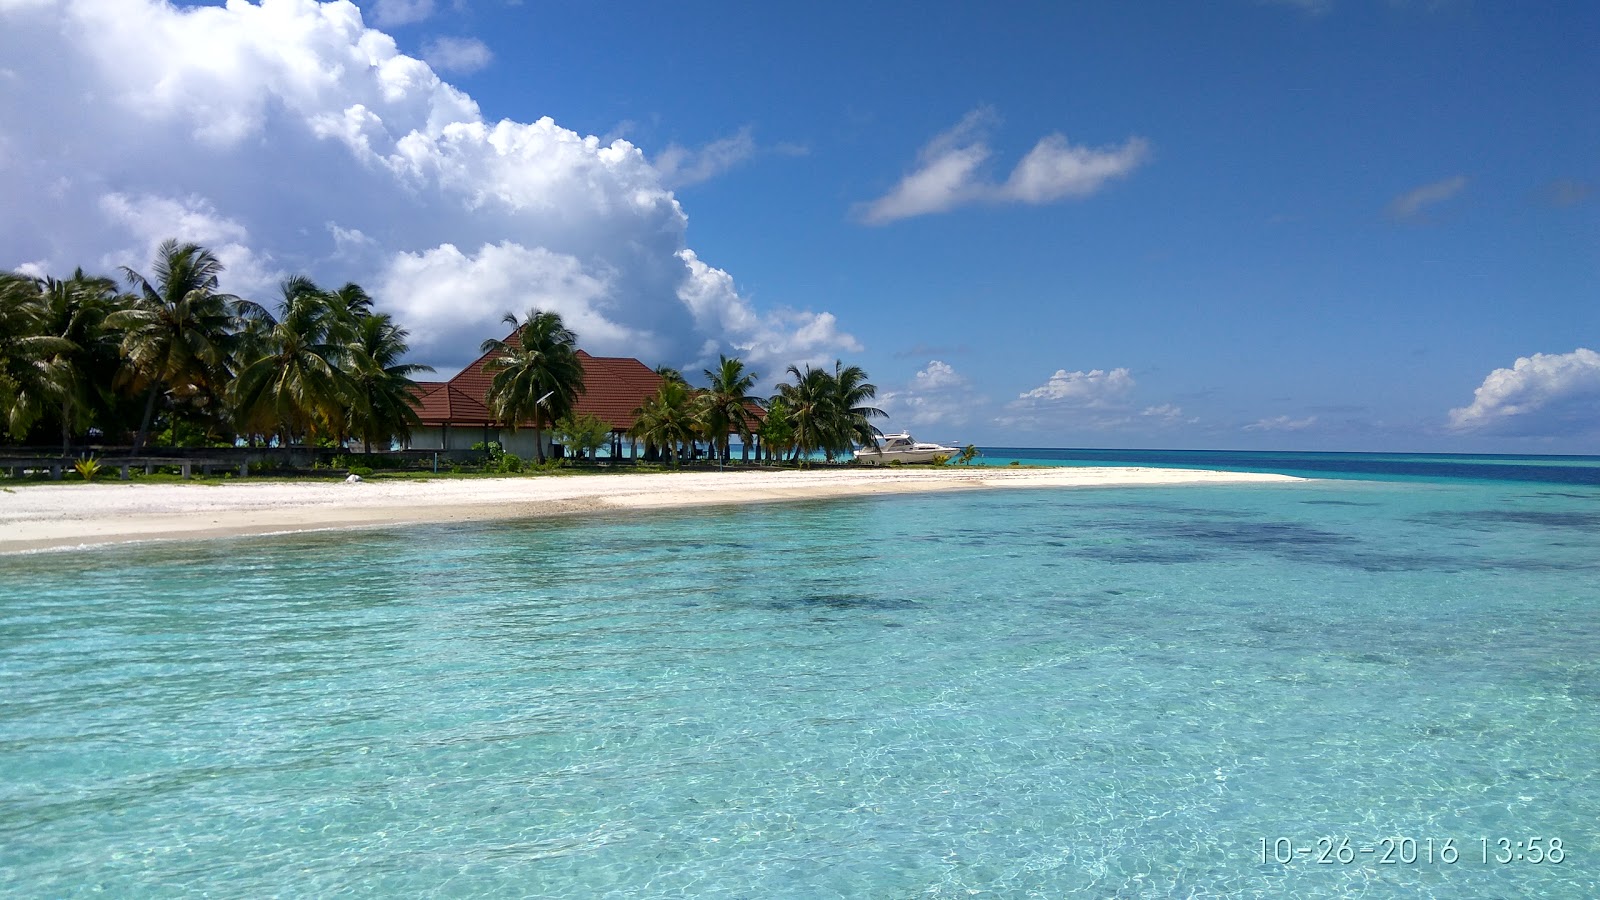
(907, 457)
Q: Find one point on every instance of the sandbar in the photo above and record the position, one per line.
(58, 516)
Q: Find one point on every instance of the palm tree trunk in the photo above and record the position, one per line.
(144, 424)
(538, 444)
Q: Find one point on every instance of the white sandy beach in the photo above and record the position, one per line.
(41, 517)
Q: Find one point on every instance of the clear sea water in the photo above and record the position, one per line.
(1130, 692)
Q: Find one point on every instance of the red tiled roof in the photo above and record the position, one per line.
(614, 386)
(442, 403)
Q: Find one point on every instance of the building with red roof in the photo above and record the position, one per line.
(455, 414)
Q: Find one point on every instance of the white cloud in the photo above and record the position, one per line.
(452, 297)
(936, 395)
(295, 139)
(1095, 399)
(156, 218)
(949, 172)
(1097, 387)
(1546, 394)
(151, 220)
(680, 166)
(1413, 203)
(938, 376)
(390, 13)
(1054, 169)
(456, 54)
(1282, 423)
(1168, 414)
(769, 342)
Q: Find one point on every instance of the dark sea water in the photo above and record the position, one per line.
(1384, 683)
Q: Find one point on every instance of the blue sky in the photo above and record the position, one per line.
(1237, 224)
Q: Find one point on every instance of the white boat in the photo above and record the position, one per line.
(904, 448)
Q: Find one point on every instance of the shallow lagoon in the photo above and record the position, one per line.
(1113, 692)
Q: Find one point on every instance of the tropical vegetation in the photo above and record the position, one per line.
(537, 374)
(175, 357)
(828, 412)
(818, 411)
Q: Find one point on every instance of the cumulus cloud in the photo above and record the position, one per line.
(1097, 399)
(768, 342)
(457, 54)
(1282, 423)
(294, 138)
(1543, 395)
(1097, 387)
(938, 376)
(153, 220)
(1414, 203)
(936, 395)
(949, 172)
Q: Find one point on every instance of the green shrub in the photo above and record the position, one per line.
(88, 468)
(939, 459)
(363, 471)
(510, 463)
(1015, 462)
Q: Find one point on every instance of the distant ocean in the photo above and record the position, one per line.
(1432, 467)
(1382, 683)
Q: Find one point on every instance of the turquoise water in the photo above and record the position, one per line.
(1099, 693)
(1406, 467)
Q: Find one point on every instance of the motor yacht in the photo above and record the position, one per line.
(904, 448)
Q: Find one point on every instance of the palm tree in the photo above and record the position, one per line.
(727, 405)
(777, 431)
(666, 419)
(76, 310)
(810, 401)
(180, 332)
(383, 381)
(537, 373)
(350, 303)
(852, 394)
(295, 386)
(828, 411)
(33, 376)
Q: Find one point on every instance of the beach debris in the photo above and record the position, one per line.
(352, 478)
